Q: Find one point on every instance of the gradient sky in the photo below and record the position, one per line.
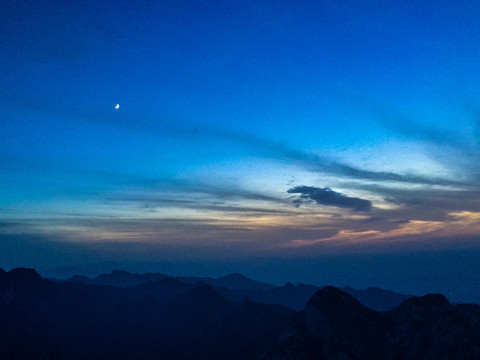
(317, 140)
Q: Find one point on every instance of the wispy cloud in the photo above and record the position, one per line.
(221, 209)
(457, 147)
(182, 128)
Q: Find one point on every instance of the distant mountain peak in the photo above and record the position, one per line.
(121, 272)
(234, 276)
(79, 278)
(239, 281)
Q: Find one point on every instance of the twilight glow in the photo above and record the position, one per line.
(248, 131)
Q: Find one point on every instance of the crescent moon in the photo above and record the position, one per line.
(117, 106)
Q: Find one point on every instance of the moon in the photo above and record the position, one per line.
(117, 106)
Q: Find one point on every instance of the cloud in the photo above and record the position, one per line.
(327, 196)
(166, 126)
(456, 147)
(154, 202)
(406, 125)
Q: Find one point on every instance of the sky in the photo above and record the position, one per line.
(309, 141)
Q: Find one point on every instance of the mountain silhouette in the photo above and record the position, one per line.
(166, 319)
(119, 278)
(336, 326)
(239, 281)
(170, 319)
(238, 287)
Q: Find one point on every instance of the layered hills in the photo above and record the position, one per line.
(202, 318)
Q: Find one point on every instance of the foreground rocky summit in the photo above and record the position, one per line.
(336, 326)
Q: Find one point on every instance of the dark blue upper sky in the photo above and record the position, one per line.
(245, 129)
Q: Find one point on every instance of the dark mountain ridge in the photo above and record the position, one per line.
(121, 278)
(238, 287)
(169, 319)
(166, 319)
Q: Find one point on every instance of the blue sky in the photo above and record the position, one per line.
(246, 130)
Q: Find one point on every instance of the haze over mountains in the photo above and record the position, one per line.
(238, 287)
(154, 316)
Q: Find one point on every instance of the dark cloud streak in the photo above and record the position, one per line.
(327, 196)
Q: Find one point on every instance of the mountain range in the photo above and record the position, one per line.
(167, 318)
(238, 287)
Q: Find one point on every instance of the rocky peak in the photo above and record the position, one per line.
(23, 275)
(330, 310)
(427, 307)
(334, 300)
